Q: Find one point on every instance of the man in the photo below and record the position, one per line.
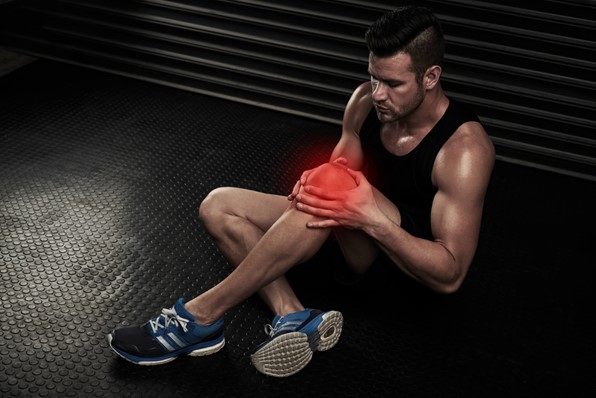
(405, 185)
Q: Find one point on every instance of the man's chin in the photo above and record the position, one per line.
(385, 116)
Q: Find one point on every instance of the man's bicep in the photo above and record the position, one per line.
(462, 178)
(455, 223)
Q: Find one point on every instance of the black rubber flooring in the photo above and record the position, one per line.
(100, 180)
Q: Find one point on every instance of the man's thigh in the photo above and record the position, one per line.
(359, 250)
(261, 209)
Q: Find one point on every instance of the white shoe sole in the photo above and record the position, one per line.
(289, 353)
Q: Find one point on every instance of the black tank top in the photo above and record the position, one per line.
(406, 180)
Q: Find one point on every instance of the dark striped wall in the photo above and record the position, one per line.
(527, 70)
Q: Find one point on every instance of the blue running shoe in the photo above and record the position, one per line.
(294, 338)
(164, 338)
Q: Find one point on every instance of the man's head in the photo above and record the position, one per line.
(413, 30)
(406, 53)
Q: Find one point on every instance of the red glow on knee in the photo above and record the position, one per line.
(332, 176)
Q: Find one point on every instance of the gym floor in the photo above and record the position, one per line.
(101, 177)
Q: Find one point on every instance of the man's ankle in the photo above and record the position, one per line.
(289, 310)
(201, 317)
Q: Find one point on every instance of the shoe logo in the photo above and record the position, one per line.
(165, 344)
(291, 325)
(168, 345)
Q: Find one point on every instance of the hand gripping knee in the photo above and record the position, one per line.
(332, 177)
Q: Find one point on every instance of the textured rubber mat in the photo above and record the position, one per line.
(101, 177)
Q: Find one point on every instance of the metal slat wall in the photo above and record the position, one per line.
(527, 70)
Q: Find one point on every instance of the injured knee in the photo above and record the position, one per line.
(331, 176)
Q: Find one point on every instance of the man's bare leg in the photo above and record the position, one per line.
(268, 247)
(197, 328)
(268, 255)
(244, 221)
(237, 219)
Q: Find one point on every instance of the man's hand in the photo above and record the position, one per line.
(304, 177)
(353, 209)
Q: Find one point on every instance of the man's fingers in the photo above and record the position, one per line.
(322, 224)
(356, 175)
(295, 191)
(323, 193)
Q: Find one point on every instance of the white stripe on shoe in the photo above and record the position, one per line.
(176, 340)
(165, 344)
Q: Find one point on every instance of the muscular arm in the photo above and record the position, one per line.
(357, 109)
(347, 150)
(461, 173)
(461, 176)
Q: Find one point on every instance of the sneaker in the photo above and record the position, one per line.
(294, 338)
(164, 338)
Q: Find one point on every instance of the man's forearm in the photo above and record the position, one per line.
(428, 262)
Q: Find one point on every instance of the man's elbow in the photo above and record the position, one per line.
(450, 276)
(449, 285)
(448, 288)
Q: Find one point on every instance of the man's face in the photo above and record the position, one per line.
(395, 92)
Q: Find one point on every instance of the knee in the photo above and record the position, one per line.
(212, 209)
(331, 176)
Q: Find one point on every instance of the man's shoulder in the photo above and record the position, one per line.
(470, 135)
(470, 131)
(358, 108)
(470, 144)
(362, 98)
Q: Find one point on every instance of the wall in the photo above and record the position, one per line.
(527, 70)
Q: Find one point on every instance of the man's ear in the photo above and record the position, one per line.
(432, 76)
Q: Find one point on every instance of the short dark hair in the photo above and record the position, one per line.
(414, 30)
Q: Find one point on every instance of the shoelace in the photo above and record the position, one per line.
(169, 316)
(271, 330)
